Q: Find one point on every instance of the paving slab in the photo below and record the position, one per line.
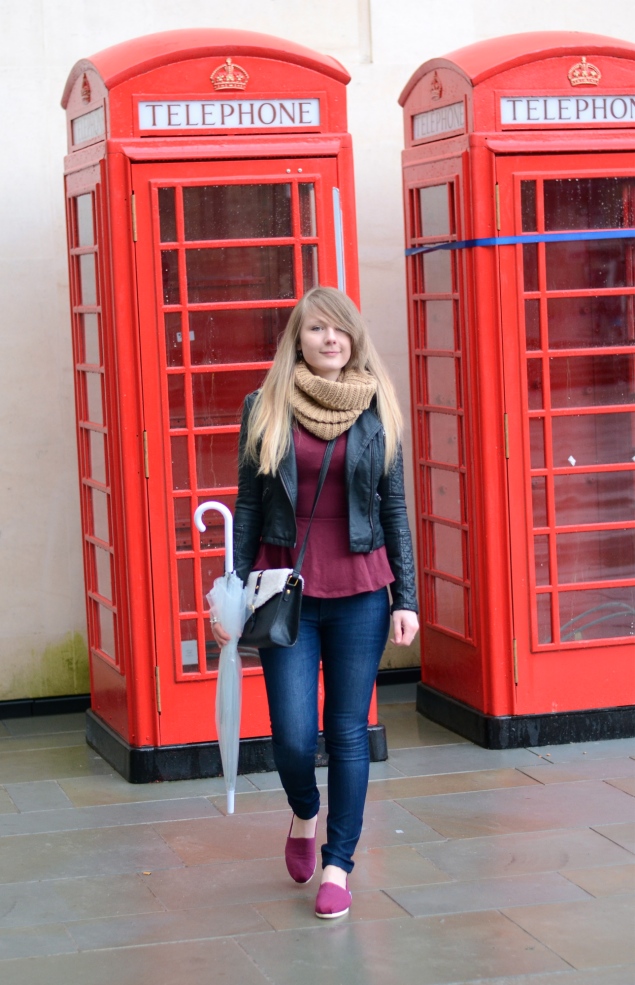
(64, 900)
(95, 791)
(293, 914)
(588, 934)
(202, 923)
(622, 834)
(397, 788)
(60, 740)
(609, 976)
(40, 795)
(387, 823)
(610, 880)
(90, 818)
(6, 804)
(246, 881)
(459, 758)
(394, 865)
(405, 728)
(570, 772)
(523, 853)
(486, 894)
(627, 784)
(428, 951)
(185, 963)
(29, 942)
(46, 724)
(50, 764)
(565, 805)
(603, 749)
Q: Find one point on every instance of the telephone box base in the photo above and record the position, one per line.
(152, 764)
(515, 731)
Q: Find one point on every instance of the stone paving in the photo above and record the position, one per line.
(511, 867)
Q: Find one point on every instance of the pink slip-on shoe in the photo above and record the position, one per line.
(300, 856)
(332, 901)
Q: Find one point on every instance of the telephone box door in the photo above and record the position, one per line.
(569, 357)
(224, 251)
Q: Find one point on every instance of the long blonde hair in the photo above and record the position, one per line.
(269, 430)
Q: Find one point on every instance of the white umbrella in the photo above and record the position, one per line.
(227, 604)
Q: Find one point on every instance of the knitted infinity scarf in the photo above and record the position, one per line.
(327, 408)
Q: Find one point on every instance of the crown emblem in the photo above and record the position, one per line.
(85, 90)
(583, 73)
(436, 89)
(229, 76)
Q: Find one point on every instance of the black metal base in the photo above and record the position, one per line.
(399, 675)
(515, 731)
(65, 704)
(151, 764)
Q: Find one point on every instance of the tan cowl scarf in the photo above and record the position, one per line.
(327, 408)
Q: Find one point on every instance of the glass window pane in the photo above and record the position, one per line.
(592, 381)
(183, 513)
(97, 456)
(539, 500)
(216, 460)
(448, 549)
(596, 614)
(597, 555)
(589, 203)
(591, 322)
(85, 224)
(94, 397)
(100, 527)
(88, 279)
(437, 272)
(449, 606)
(528, 206)
(176, 400)
(593, 439)
(532, 324)
(185, 571)
(102, 572)
(530, 266)
(167, 215)
(309, 267)
(173, 339)
(541, 559)
(238, 273)
(237, 211)
(106, 631)
(308, 225)
(537, 442)
(543, 606)
(589, 264)
(435, 210)
(440, 325)
(594, 497)
(170, 274)
(250, 335)
(91, 339)
(534, 384)
(446, 493)
(180, 473)
(189, 646)
(444, 445)
(218, 397)
(441, 373)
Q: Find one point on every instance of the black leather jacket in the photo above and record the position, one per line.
(265, 506)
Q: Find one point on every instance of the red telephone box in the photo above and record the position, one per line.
(519, 185)
(209, 184)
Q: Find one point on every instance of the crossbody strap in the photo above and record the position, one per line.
(328, 451)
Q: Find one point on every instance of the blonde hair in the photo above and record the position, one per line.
(271, 417)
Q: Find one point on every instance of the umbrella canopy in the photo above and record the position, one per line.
(227, 603)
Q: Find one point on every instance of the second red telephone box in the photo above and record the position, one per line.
(519, 185)
(209, 185)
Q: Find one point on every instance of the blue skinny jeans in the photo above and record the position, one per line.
(348, 635)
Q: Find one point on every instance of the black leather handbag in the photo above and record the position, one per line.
(275, 594)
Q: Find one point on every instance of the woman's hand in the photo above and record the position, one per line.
(219, 634)
(405, 627)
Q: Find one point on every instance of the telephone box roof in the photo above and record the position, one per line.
(123, 61)
(477, 62)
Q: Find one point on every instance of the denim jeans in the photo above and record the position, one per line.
(348, 635)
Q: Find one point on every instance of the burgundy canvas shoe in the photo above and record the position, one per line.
(300, 856)
(332, 901)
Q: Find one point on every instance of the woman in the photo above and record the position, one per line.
(326, 382)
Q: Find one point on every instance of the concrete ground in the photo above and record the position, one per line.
(502, 868)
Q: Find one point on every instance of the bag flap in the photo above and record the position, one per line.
(272, 583)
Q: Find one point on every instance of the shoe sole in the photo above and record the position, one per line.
(332, 916)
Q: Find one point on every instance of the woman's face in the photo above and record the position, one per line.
(325, 348)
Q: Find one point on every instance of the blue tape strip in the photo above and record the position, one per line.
(466, 244)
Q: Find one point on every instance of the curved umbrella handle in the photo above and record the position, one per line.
(229, 528)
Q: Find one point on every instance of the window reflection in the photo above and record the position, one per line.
(216, 460)
(446, 493)
(443, 438)
(440, 325)
(437, 272)
(237, 211)
(589, 264)
(595, 497)
(167, 215)
(593, 439)
(449, 606)
(597, 614)
(591, 322)
(597, 555)
(435, 212)
(218, 397)
(236, 336)
(441, 381)
(448, 549)
(587, 381)
(240, 273)
(589, 203)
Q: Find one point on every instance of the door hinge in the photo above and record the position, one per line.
(157, 687)
(133, 213)
(497, 199)
(515, 656)
(506, 429)
(146, 467)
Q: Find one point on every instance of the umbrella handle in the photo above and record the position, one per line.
(229, 528)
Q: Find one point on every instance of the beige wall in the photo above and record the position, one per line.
(381, 42)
